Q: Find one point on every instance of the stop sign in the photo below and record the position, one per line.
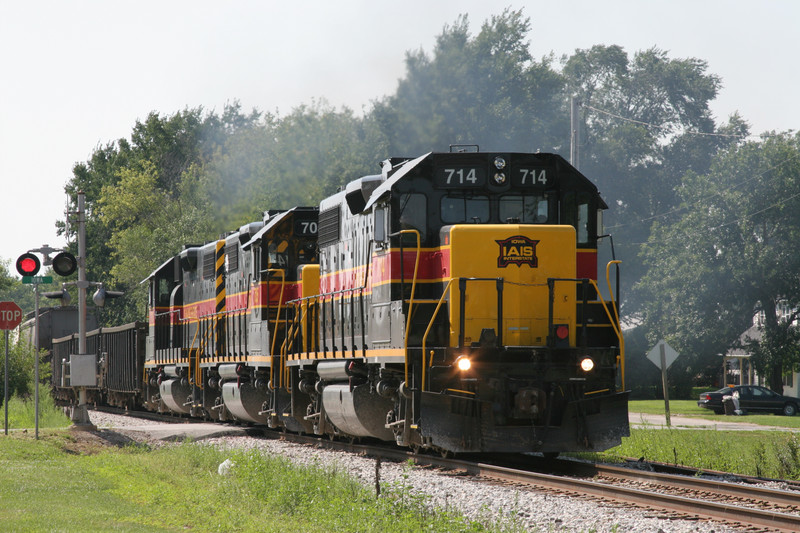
(10, 315)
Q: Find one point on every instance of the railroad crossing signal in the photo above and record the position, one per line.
(28, 264)
(64, 264)
(10, 315)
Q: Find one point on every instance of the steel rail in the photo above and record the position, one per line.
(719, 487)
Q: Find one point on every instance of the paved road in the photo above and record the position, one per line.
(722, 423)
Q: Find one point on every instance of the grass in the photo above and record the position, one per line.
(53, 484)
(691, 409)
(22, 412)
(768, 454)
(46, 486)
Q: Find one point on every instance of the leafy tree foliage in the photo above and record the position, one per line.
(484, 90)
(730, 253)
(641, 119)
(163, 154)
(143, 233)
(20, 367)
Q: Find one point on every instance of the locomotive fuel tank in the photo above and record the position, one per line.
(176, 395)
(243, 399)
(354, 408)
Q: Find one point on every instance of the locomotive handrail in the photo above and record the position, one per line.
(551, 283)
(280, 303)
(198, 373)
(167, 312)
(430, 325)
(413, 287)
(462, 312)
(291, 332)
(616, 324)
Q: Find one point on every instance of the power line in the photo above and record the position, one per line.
(679, 209)
(719, 193)
(650, 125)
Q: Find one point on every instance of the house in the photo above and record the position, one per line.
(737, 368)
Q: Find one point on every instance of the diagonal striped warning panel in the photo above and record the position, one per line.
(220, 298)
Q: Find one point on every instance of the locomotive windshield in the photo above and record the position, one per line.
(458, 208)
(527, 209)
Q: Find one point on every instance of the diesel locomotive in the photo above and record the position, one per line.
(449, 303)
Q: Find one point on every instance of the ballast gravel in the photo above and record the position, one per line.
(477, 499)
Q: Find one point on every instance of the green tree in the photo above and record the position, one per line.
(171, 152)
(731, 254)
(484, 89)
(20, 368)
(144, 236)
(646, 122)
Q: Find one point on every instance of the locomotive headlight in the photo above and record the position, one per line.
(587, 364)
(463, 363)
(499, 178)
(499, 163)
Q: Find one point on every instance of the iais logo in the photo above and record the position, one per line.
(517, 250)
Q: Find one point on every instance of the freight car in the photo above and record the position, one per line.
(450, 303)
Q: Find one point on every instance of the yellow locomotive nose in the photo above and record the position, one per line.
(522, 257)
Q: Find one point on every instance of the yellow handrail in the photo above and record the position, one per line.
(430, 325)
(413, 289)
(615, 322)
(198, 373)
(277, 318)
(291, 334)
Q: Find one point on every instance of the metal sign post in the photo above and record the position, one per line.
(5, 389)
(663, 355)
(10, 317)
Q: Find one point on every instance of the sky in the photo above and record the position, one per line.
(78, 74)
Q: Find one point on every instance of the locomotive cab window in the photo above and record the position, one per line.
(527, 209)
(278, 256)
(457, 209)
(306, 252)
(163, 291)
(412, 214)
(579, 211)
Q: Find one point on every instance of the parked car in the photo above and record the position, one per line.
(752, 399)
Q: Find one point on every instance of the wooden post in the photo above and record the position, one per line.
(664, 380)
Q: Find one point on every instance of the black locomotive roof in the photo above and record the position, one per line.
(569, 175)
(387, 185)
(154, 272)
(271, 223)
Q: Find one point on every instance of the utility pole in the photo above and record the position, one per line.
(574, 131)
(87, 362)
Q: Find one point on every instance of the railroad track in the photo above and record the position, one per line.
(667, 495)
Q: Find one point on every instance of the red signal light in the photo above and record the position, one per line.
(28, 264)
(562, 332)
